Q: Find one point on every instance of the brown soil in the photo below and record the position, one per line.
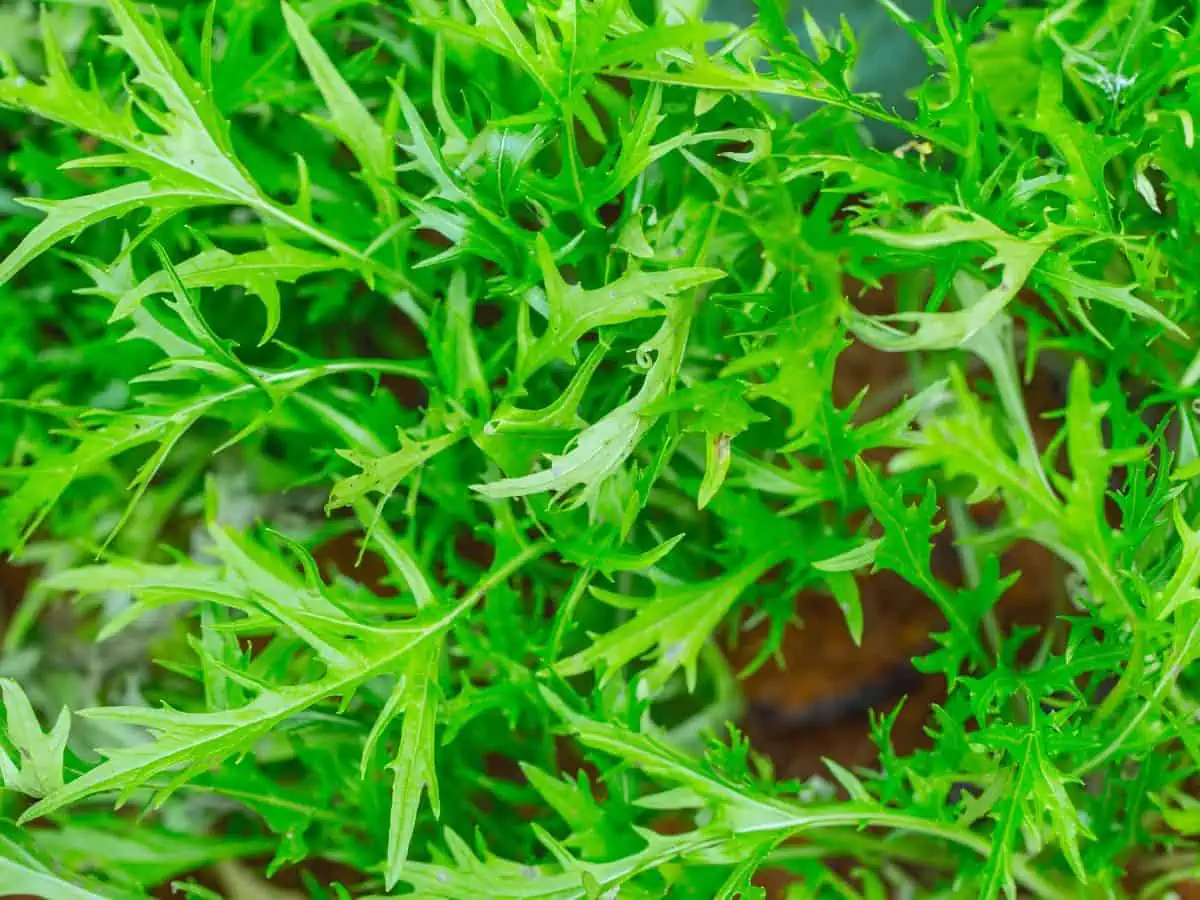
(818, 704)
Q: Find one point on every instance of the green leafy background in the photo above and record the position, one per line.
(539, 308)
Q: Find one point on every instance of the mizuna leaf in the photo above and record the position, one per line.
(574, 800)
(513, 436)
(796, 357)
(1181, 588)
(676, 622)
(351, 120)
(67, 218)
(426, 154)
(159, 422)
(1036, 793)
(600, 449)
(188, 744)
(188, 163)
(417, 697)
(742, 810)
(629, 267)
(593, 455)
(1079, 289)
(22, 871)
(259, 272)
(1015, 257)
(907, 548)
(189, 160)
(145, 856)
(192, 145)
(574, 311)
(195, 138)
(39, 768)
(719, 411)
(384, 474)
(496, 25)
(461, 368)
(1085, 151)
(468, 876)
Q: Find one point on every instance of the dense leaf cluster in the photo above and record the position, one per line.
(539, 307)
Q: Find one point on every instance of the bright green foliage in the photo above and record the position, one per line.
(40, 768)
(549, 313)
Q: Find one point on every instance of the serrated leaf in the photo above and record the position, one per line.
(259, 272)
(146, 856)
(383, 474)
(1016, 258)
(417, 698)
(39, 767)
(676, 624)
(1079, 289)
(350, 119)
(22, 871)
(67, 218)
(189, 744)
(599, 450)
(906, 549)
(574, 311)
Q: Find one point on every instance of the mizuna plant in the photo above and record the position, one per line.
(538, 308)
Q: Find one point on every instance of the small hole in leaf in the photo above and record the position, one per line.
(590, 151)
(619, 84)
(470, 548)
(526, 216)
(434, 238)
(610, 212)
(409, 392)
(488, 315)
(568, 222)
(734, 147)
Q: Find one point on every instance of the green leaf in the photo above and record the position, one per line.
(797, 357)
(514, 436)
(259, 272)
(946, 227)
(22, 871)
(39, 768)
(1181, 588)
(676, 623)
(1036, 791)
(574, 311)
(627, 270)
(145, 856)
(907, 548)
(189, 744)
(598, 451)
(383, 474)
(67, 218)
(1079, 289)
(417, 696)
(719, 411)
(459, 363)
(1084, 150)
(188, 158)
(161, 422)
(349, 118)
